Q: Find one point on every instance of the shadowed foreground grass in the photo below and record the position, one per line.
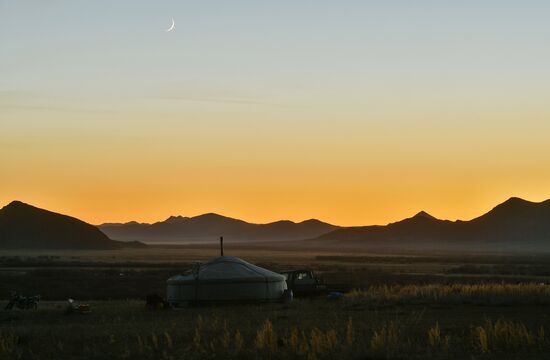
(391, 322)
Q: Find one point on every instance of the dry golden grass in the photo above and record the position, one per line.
(217, 337)
(436, 340)
(386, 339)
(491, 294)
(506, 335)
(266, 338)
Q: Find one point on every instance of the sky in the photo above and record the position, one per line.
(352, 112)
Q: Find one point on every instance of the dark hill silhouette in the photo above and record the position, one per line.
(26, 226)
(516, 224)
(208, 227)
(423, 214)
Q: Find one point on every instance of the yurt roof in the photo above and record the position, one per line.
(229, 268)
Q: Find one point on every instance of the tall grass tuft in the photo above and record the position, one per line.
(197, 336)
(266, 338)
(239, 341)
(385, 339)
(506, 335)
(168, 340)
(435, 340)
(482, 339)
(323, 342)
(350, 332)
(155, 341)
(226, 337)
(294, 340)
(140, 345)
(197, 340)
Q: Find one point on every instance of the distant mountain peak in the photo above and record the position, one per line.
(19, 207)
(175, 219)
(282, 222)
(512, 204)
(132, 223)
(313, 222)
(26, 226)
(212, 216)
(512, 207)
(516, 201)
(423, 214)
(16, 204)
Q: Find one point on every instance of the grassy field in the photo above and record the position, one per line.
(429, 306)
(306, 329)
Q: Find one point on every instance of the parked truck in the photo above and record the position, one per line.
(303, 282)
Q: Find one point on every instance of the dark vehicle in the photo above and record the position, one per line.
(304, 283)
(23, 302)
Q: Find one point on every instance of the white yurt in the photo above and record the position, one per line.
(225, 278)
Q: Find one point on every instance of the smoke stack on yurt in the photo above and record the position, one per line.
(226, 278)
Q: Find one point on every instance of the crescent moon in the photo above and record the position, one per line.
(171, 26)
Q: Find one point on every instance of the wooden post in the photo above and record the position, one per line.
(221, 245)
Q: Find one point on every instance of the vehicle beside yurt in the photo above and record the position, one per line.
(225, 278)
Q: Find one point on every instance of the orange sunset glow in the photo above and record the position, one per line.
(366, 121)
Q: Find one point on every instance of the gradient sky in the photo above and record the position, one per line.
(354, 112)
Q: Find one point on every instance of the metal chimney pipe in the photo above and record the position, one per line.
(221, 245)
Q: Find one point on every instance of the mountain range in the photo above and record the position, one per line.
(514, 225)
(208, 228)
(28, 227)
